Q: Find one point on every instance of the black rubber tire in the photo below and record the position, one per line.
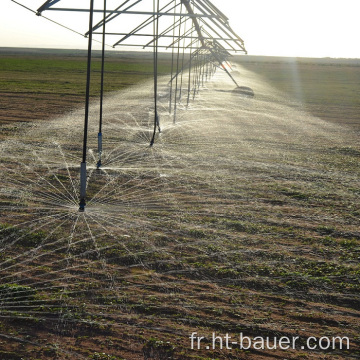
(244, 91)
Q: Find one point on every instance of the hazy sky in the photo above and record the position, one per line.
(308, 28)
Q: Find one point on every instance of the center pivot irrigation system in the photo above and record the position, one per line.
(196, 32)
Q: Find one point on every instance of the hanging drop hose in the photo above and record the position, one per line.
(190, 68)
(101, 90)
(177, 65)
(202, 70)
(195, 71)
(156, 36)
(172, 61)
(86, 121)
(182, 62)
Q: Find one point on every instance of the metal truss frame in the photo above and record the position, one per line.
(198, 30)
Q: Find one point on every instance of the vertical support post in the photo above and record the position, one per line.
(86, 122)
(102, 89)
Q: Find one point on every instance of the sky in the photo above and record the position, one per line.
(303, 28)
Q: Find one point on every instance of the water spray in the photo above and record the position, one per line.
(209, 41)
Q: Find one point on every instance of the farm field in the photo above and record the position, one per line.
(328, 88)
(38, 84)
(242, 218)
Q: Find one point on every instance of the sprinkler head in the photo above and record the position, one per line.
(82, 205)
